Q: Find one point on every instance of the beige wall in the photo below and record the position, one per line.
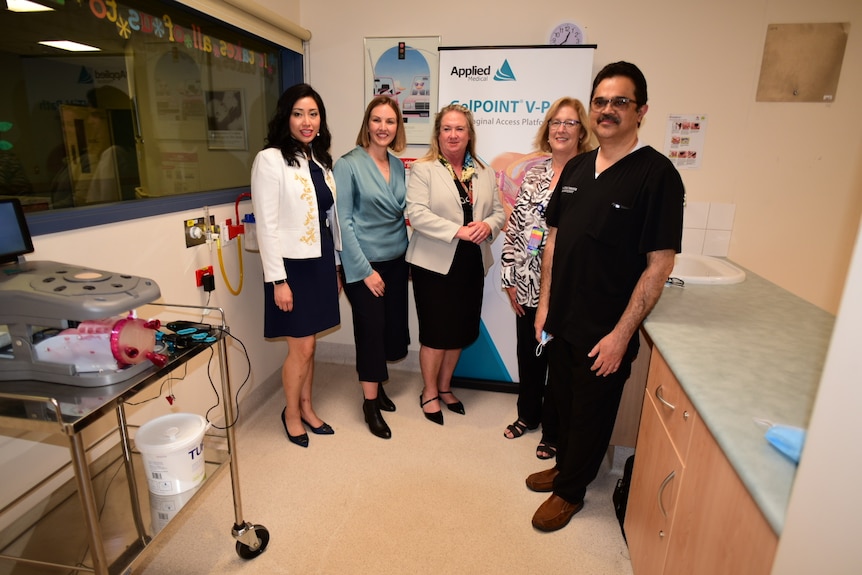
(155, 248)
(792, 170)
(821, 533)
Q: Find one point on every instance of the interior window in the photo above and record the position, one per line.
(160, 101)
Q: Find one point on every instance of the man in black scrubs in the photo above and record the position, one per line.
(615, 223)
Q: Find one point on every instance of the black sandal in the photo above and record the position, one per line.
(546, 450)
(518, 429)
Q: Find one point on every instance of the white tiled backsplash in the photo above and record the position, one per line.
(707, 228)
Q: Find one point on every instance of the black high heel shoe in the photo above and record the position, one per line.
(457, 407)
(300, 440)
(437, 416)
(324, 429)
(376, 425)
(383, 402)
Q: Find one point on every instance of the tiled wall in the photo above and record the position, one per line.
(707, 228)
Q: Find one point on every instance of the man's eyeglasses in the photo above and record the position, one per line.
(617, 103)
(569, 124)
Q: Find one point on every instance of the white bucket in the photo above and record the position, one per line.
(163, 508)
(172, 449)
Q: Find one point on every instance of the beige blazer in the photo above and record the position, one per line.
(285, 211)
(435, 214)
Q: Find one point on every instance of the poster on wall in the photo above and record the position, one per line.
(684, 139)
(226, 129)
(177, 97)
(509, 90)
(180, 169)
(405, 69)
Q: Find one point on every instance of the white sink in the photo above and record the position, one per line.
(700, 269)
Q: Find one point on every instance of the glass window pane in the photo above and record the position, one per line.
(171, 102)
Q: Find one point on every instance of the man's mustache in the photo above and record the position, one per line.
(609, 118)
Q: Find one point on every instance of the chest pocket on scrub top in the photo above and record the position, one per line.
(612, 222)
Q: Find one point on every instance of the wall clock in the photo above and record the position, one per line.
(566, 33)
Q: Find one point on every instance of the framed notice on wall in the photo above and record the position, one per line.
(405, 69)
(226, 129)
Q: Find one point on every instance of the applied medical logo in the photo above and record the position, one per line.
(504, 73)
(479, 74)
(84, 76)
(473, 73)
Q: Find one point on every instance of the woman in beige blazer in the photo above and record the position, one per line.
(455, 213)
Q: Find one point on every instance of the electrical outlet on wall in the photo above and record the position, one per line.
(200, 273)
(196, 230)
(224, 234)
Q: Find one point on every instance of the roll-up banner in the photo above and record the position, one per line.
(509, 89)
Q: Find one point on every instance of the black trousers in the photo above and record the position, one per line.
(534, 404)
(587, 407)
(380, 328)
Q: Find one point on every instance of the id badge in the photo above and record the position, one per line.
(535, 242)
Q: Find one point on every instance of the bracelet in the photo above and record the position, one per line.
(279, 282)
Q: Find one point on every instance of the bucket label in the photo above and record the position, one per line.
(176, 472)
(196, 452)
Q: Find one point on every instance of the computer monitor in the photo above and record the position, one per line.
(15, 240)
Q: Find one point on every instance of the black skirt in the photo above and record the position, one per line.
(449, 306)
(315, 296)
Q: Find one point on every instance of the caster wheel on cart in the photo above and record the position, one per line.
(247, 552)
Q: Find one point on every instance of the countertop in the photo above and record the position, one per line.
(743, 352)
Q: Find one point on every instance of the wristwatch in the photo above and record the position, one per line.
(279, 282)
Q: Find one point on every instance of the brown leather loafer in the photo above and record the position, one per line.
(555, 513)
(543, 481)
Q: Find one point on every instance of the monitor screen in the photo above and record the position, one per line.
(15, 237)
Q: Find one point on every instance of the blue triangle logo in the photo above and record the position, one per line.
(481, 360)
(84, 76)
(504, 73)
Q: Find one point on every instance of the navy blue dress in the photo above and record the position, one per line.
(313, 281)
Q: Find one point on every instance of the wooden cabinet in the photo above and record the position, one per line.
(688, 511)
(663, 439)
(652, 498)
(629, 413)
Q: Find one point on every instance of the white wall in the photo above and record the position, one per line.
(792, 170)
(822, 533)
(155, 247)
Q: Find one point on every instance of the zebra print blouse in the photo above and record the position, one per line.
(521, 267)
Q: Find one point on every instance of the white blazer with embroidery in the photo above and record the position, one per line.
(285, 211)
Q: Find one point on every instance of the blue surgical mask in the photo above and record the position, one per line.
(787, 439)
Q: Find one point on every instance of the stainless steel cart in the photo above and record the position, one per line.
(68, 410)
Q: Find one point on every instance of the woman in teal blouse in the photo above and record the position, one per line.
(371, 200)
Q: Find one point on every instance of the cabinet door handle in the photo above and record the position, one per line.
(659, 397)
(661, 492)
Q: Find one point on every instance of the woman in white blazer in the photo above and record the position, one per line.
(293, 192)
(455, 212)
